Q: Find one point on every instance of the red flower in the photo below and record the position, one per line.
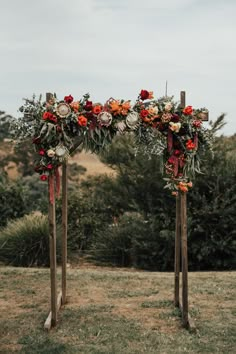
(49, 116)
(88, 106)
(43, 177)
(42, 152)
(49, 166)
(188, 110)
(197, 123)
(190, 145)
(144, 113)
(68, 99)
(175, 118)
(82, 121)
(144, 95)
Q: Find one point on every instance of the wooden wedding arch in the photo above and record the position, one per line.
(181, 248)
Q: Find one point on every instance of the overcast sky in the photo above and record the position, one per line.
(116, 48)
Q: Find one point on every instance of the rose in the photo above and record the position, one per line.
(49, 116)
(75, 106)
(97, 109)
(175, 127)
(82, 121)
(43, 177)
(153, 109)
(144, 113)
(88, 106)
(49, 166)
(50, 153)
(68, 99)
(144, 94)
(168, 106)
(188, 110)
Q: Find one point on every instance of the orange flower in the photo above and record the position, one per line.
(182, 186)
(75, 106)
(126, 105)
(97, 109)
(82, 121)
(150, 95)
(115, 106)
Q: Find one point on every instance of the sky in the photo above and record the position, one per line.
(116, 48)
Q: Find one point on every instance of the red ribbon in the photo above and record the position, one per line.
(57, 182)
(51, 188)
(196, 141)
(169, 140)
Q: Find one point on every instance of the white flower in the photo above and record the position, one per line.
(175, 127)
(50, 153)
(168, 106)
(153, 109)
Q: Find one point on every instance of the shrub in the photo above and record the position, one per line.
(25, 242)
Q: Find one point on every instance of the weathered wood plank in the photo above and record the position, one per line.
(64, 228)
(48, 322)
(184, 252)
(177, 250)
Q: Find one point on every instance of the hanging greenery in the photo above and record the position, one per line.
(161, 127)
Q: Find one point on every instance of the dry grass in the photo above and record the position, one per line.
(116, 311)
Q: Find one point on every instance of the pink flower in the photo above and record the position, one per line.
(43, 177)
(42, 152)
(49, 166)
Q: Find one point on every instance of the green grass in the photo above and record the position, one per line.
(116, 311)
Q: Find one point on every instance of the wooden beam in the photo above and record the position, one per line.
(48, 322)
(184, 252)
(52, 241)
(64, 228)
(177, 250)
(191, 324)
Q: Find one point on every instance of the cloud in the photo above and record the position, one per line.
(116, 48)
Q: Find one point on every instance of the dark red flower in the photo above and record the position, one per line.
(175, 118)
(197, 123)
(177, 152)
(68, 99)
(172, 160)
(43, 177)
(49, 166)
(144, 95)
(36, 140)
(88, 106)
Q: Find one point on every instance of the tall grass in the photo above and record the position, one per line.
(25, 242)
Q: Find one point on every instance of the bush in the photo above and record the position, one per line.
(25, 242)
(135, 242)
(12, 205)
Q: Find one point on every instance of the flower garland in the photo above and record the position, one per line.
(175, 132)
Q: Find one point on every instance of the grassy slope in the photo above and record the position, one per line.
(116, 311)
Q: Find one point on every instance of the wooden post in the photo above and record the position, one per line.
(64, 229)
(184, 251)
(177, 250)
(52, 242)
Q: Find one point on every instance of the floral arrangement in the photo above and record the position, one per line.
(56, 127)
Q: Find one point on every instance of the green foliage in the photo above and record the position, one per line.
(5, 121)
(12, 203)
(25, 242)
(136, 242)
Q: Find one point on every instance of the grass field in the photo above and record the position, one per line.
(116, 311)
